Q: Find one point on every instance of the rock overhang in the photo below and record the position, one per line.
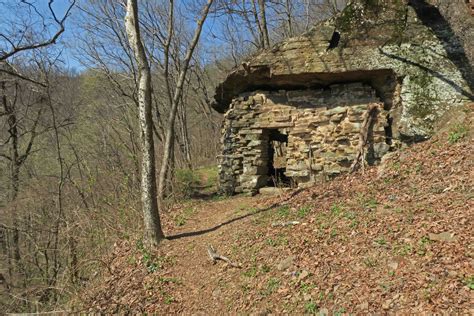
(305, 80)
(378, 39)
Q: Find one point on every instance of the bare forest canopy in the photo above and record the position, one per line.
(70, 148)
(104, 113)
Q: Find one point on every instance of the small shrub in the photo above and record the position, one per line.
(212, 176)
(303, 211)
(218, 197)
(470, 282)
(245, 288)
(370, 262)
(311, 308)
(422, 245)
(336, 209)
(271, 242)
(458, 133)
(283, 211)
(281, 240)
(272, 285)
(381, 241)
(186, 183)
(180, 220)
(397, 166)
(340, 311)
(404, 249)
(251, 273)
(354, 223)
(306, 287)
(371, 203)
(169, 299)
(150, 261)
(350, 215)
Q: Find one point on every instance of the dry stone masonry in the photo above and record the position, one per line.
(321, 128)
(293, 114)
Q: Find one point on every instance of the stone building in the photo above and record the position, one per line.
(293, 114)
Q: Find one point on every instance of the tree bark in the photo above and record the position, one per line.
(15, 163)
(263, 21)
(153, 231)
(185, 145)
(259, 25)
(289, 18)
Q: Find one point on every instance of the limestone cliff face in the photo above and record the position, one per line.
(405, 51)
(459, 14)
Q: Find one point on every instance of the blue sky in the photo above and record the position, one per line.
(68, 38)
(14, 10)
(10, 9)
(60, 7)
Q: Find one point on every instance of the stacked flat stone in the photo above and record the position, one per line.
(322, 125)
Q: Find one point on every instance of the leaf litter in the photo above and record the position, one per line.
(398, 241)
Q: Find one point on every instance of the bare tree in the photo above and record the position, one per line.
(153, 231)
(170, 135)
(262, 21)
(15, 156)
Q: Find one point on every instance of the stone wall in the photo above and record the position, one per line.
(322, 126)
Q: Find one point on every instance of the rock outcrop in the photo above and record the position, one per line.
(313, 89)
(459, 14)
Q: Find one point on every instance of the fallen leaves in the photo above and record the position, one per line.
(399, 240)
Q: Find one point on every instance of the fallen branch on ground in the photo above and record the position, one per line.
(215, 256)
(283, 224)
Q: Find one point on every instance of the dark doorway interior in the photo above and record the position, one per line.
(277, 142)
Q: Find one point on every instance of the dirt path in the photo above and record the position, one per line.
(210, 224)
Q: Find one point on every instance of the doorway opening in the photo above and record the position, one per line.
(277, 145)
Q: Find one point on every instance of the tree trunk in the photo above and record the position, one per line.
(289, 18)
(185, 145)
(15, 163)
(263, 21)
(169, 139)
(259, 25)
(153, 231)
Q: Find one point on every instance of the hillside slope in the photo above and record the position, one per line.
(399, 238)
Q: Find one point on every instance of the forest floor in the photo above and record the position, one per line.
(397, 239)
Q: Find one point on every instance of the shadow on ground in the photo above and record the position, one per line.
(230, 221)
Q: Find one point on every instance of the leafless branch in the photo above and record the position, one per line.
(60, 22)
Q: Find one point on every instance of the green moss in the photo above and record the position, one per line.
(422, 100)
(400, 24)
(348, 15)
(372, 4)
(379, 4)
(363, 15)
